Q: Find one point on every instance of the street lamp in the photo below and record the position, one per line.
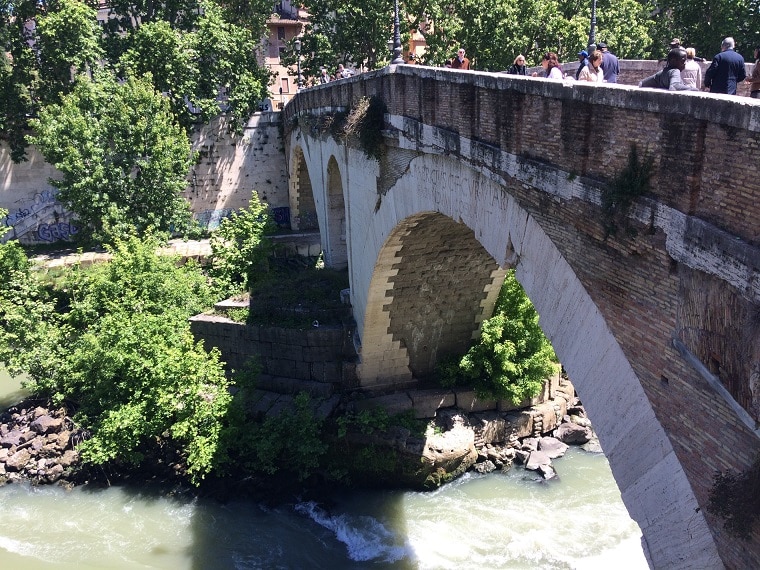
(592, 29)
(297, 45)
(396, 37)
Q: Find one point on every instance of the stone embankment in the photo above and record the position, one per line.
(459, 439)
(37, 444)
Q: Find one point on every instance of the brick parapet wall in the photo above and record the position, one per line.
(316, 354)
(697, 140)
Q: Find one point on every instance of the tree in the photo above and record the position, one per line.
(118, 346)
(68, 44)
(124, 157)
(703, 25)
(166, 54)
(239, 248)
(211, 68)
(352, 32)
(513, 357)
(199, 53)
(494, 37)
(227, 67)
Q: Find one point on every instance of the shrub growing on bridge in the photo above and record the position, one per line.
(512, 358)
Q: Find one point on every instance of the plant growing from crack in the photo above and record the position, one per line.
(620, 194)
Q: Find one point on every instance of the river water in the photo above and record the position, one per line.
(501, 520)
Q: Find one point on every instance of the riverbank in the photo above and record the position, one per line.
(38, 445)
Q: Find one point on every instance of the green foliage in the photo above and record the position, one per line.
(344, 31)
(379, 420)
(30, 335)
(357, 32)
(620, 194)
(239, 248)
(226, 60)
(166, 53)
(68, 41)
(293, 296)
(119, 348)
(735, 497)
(289, 442)
(512, 358)
(125, 159)
(703, 25)
(366, 120)
(139, 278)
(196, 51)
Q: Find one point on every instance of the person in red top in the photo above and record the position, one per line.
(460, 61)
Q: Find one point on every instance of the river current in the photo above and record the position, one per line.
(511, 520)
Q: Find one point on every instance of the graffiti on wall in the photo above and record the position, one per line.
(281, 216)
(41, 220)
(210, 219)
(57, 231)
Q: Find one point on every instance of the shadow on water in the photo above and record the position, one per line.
(343, 530)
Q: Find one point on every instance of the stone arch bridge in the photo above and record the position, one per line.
(657, 323)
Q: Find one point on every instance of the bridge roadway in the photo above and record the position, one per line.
(656, 324)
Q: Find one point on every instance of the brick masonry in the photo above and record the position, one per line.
(323, 354)
(519, 165)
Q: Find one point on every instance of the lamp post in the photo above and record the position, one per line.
(592, 29)
(297, 45)
(397, 59)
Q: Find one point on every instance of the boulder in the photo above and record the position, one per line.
(18, 460)
(552, 447)
(46, 424)
(13, 437)
(68, 458)
(536, 459)
(484, 467)
(592, 446)
(547, 471)
(574, 433)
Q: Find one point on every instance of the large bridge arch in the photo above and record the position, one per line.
(433, 285)
(451, 197)
(437, 196)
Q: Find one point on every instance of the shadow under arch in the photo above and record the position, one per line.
(303, 209)
(432, 287)
(336, 252)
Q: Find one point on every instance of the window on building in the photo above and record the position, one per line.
(281, 52)
(284, 85)
(281, 33)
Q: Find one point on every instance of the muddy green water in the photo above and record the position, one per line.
(501, 520)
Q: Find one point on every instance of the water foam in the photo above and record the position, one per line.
(365, 538)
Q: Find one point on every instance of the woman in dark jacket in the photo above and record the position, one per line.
(518, 67)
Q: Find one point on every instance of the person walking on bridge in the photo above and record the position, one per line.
(593, 71)
(610, 64)
(460, 61)
(726, 69)
(670, 77)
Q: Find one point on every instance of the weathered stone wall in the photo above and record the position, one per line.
(229, 169)
(315, 354)
(472, 145)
